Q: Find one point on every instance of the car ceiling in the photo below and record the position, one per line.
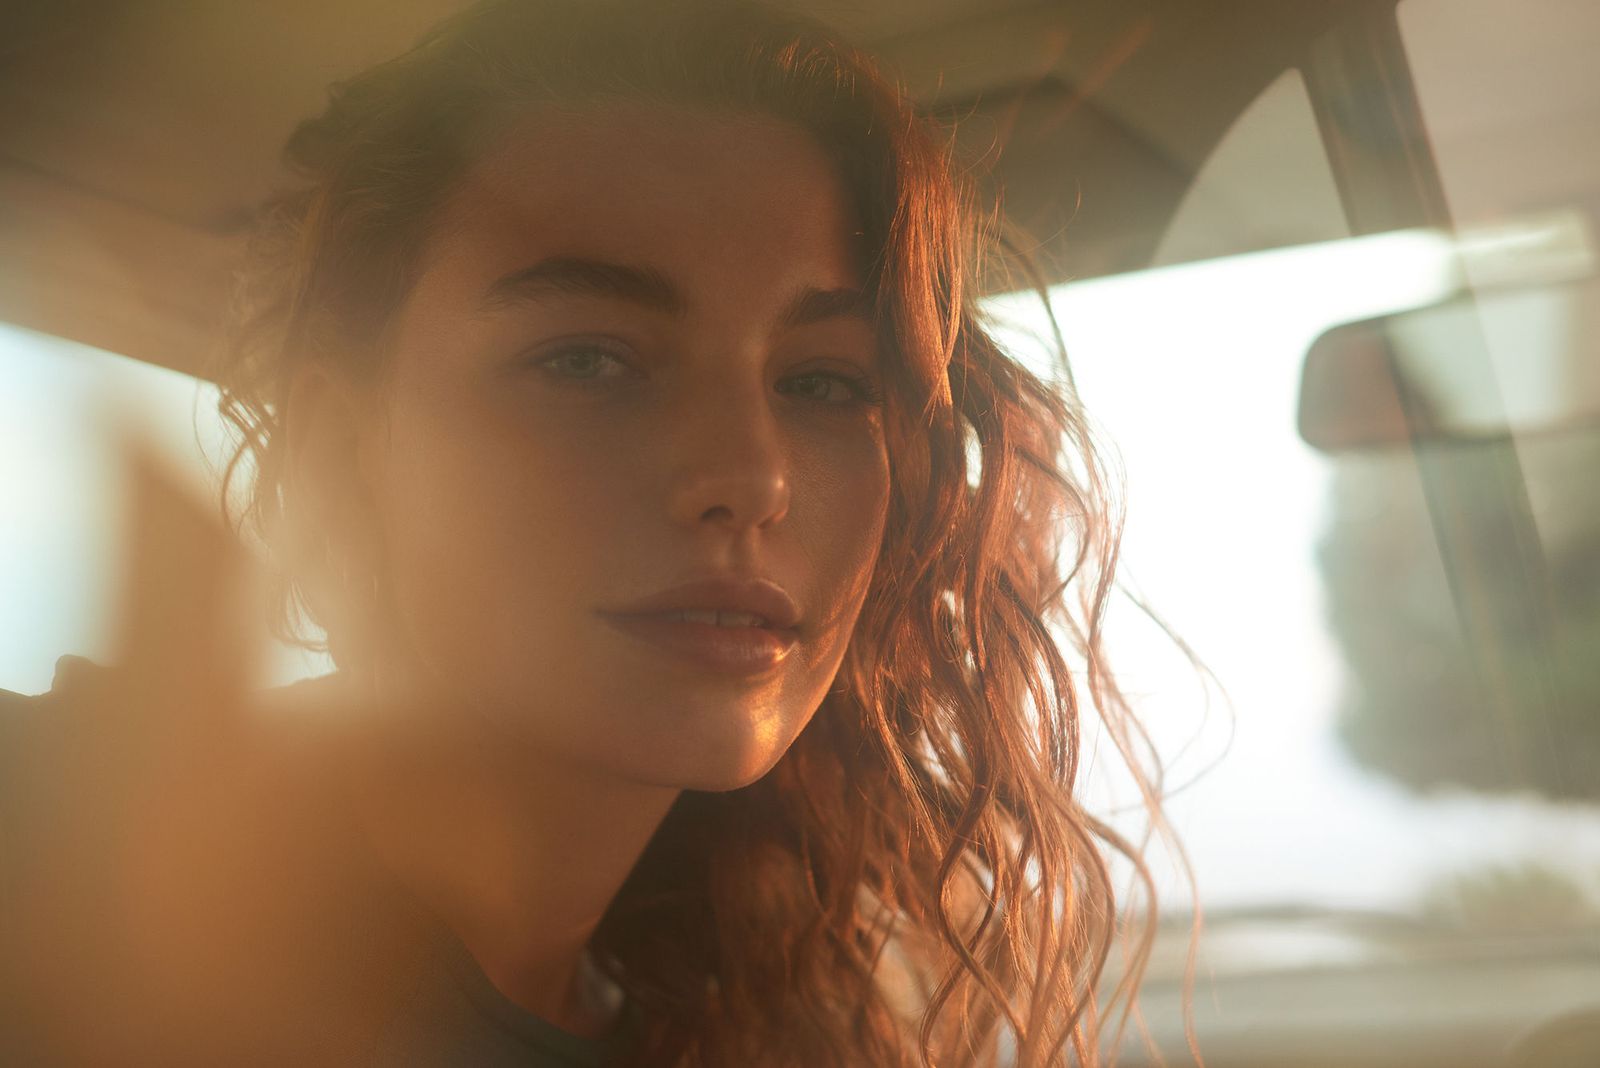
(138, 137)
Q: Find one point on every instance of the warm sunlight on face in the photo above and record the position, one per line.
(636, 357)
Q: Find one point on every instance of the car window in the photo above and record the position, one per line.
(1513, 111)
(1192, 369)
(67, 415)
(1352, 771)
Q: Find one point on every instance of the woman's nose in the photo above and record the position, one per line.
(731, 469)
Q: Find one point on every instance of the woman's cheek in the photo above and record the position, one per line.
(845, 465)
(842, 498)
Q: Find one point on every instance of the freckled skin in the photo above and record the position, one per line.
(514, 502)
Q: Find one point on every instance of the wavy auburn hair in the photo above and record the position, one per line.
(915, 881)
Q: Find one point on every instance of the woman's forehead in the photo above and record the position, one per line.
(677, 187)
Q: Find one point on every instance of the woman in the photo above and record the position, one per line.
(615, 398)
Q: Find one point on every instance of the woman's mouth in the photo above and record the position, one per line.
(726, 642)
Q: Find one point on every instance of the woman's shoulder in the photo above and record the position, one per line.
(19, 715)
(31, 730)
(102, 759)
(20, 712)
(14, 705)
(199, 881)
(107, 766)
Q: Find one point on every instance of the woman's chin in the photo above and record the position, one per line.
(717, 753)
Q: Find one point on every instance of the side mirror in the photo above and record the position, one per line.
(1512, 361)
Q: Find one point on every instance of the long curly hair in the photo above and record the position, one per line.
(916, 881)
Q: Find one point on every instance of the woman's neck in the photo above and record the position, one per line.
(517, 854)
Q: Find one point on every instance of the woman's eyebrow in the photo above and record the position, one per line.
(646, 286)
(576, 276)
(817, 305)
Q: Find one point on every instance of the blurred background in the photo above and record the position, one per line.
(1327, 278)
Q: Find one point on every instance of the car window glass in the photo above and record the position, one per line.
(1301, 579)
(1511, 99)
(67, 413)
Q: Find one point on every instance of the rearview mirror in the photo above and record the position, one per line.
(1512, 361)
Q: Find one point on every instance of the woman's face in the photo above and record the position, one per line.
(636, 358)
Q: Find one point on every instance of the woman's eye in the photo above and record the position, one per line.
(827, 387)
(582, 363)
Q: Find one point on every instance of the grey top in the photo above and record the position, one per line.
(466, 1020)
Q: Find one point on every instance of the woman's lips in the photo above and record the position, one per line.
(742, 650)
